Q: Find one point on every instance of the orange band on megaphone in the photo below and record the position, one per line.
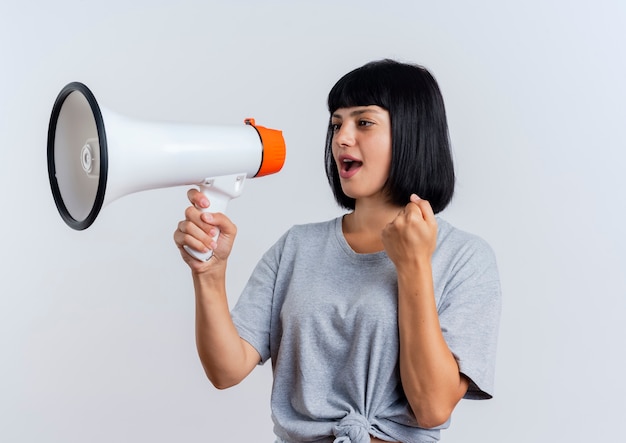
(274, 149)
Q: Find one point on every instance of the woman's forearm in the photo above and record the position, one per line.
(225, 357)
(429, 372)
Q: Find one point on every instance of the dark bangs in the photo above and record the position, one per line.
(362, 87)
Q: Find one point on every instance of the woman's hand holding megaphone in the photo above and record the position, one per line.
(199, 230)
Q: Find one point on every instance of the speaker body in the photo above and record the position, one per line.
(96, 156)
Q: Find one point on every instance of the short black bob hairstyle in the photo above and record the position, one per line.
(421, 159)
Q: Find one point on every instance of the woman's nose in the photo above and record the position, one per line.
(344, 136)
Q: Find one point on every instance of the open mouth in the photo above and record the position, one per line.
(349, 167)
(348, 164)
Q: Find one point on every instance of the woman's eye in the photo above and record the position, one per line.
(365, 123)
(335, 127)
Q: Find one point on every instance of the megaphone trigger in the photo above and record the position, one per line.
(220, 191)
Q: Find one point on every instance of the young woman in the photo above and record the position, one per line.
(377, 322)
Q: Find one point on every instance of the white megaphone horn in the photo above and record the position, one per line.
(96, 156)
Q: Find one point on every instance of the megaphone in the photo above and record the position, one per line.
(96, 156)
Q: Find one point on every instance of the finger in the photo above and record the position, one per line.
(198, 199)
(189, 234)
(220, 221)
(424, 206)
(427, 210)
(194, 214)
(413, 210)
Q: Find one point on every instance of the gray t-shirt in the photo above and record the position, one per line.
(327, 318)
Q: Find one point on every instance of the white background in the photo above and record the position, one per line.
(96, 327)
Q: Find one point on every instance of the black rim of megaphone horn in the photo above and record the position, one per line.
(54, 185)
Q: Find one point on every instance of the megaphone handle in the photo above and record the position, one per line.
(220, 191)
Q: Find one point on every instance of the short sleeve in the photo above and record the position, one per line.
(252, 314)
(469, 315)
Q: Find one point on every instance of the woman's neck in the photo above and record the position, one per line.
(362, 228)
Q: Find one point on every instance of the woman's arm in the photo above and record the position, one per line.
(429, 372)
(226, 358)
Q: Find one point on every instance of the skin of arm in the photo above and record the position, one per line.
(226, 358)
(429, 372)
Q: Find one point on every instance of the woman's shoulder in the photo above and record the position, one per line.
(451, 233)
(455, 242)
(313, 228)
(466, 260)
(301, 235)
